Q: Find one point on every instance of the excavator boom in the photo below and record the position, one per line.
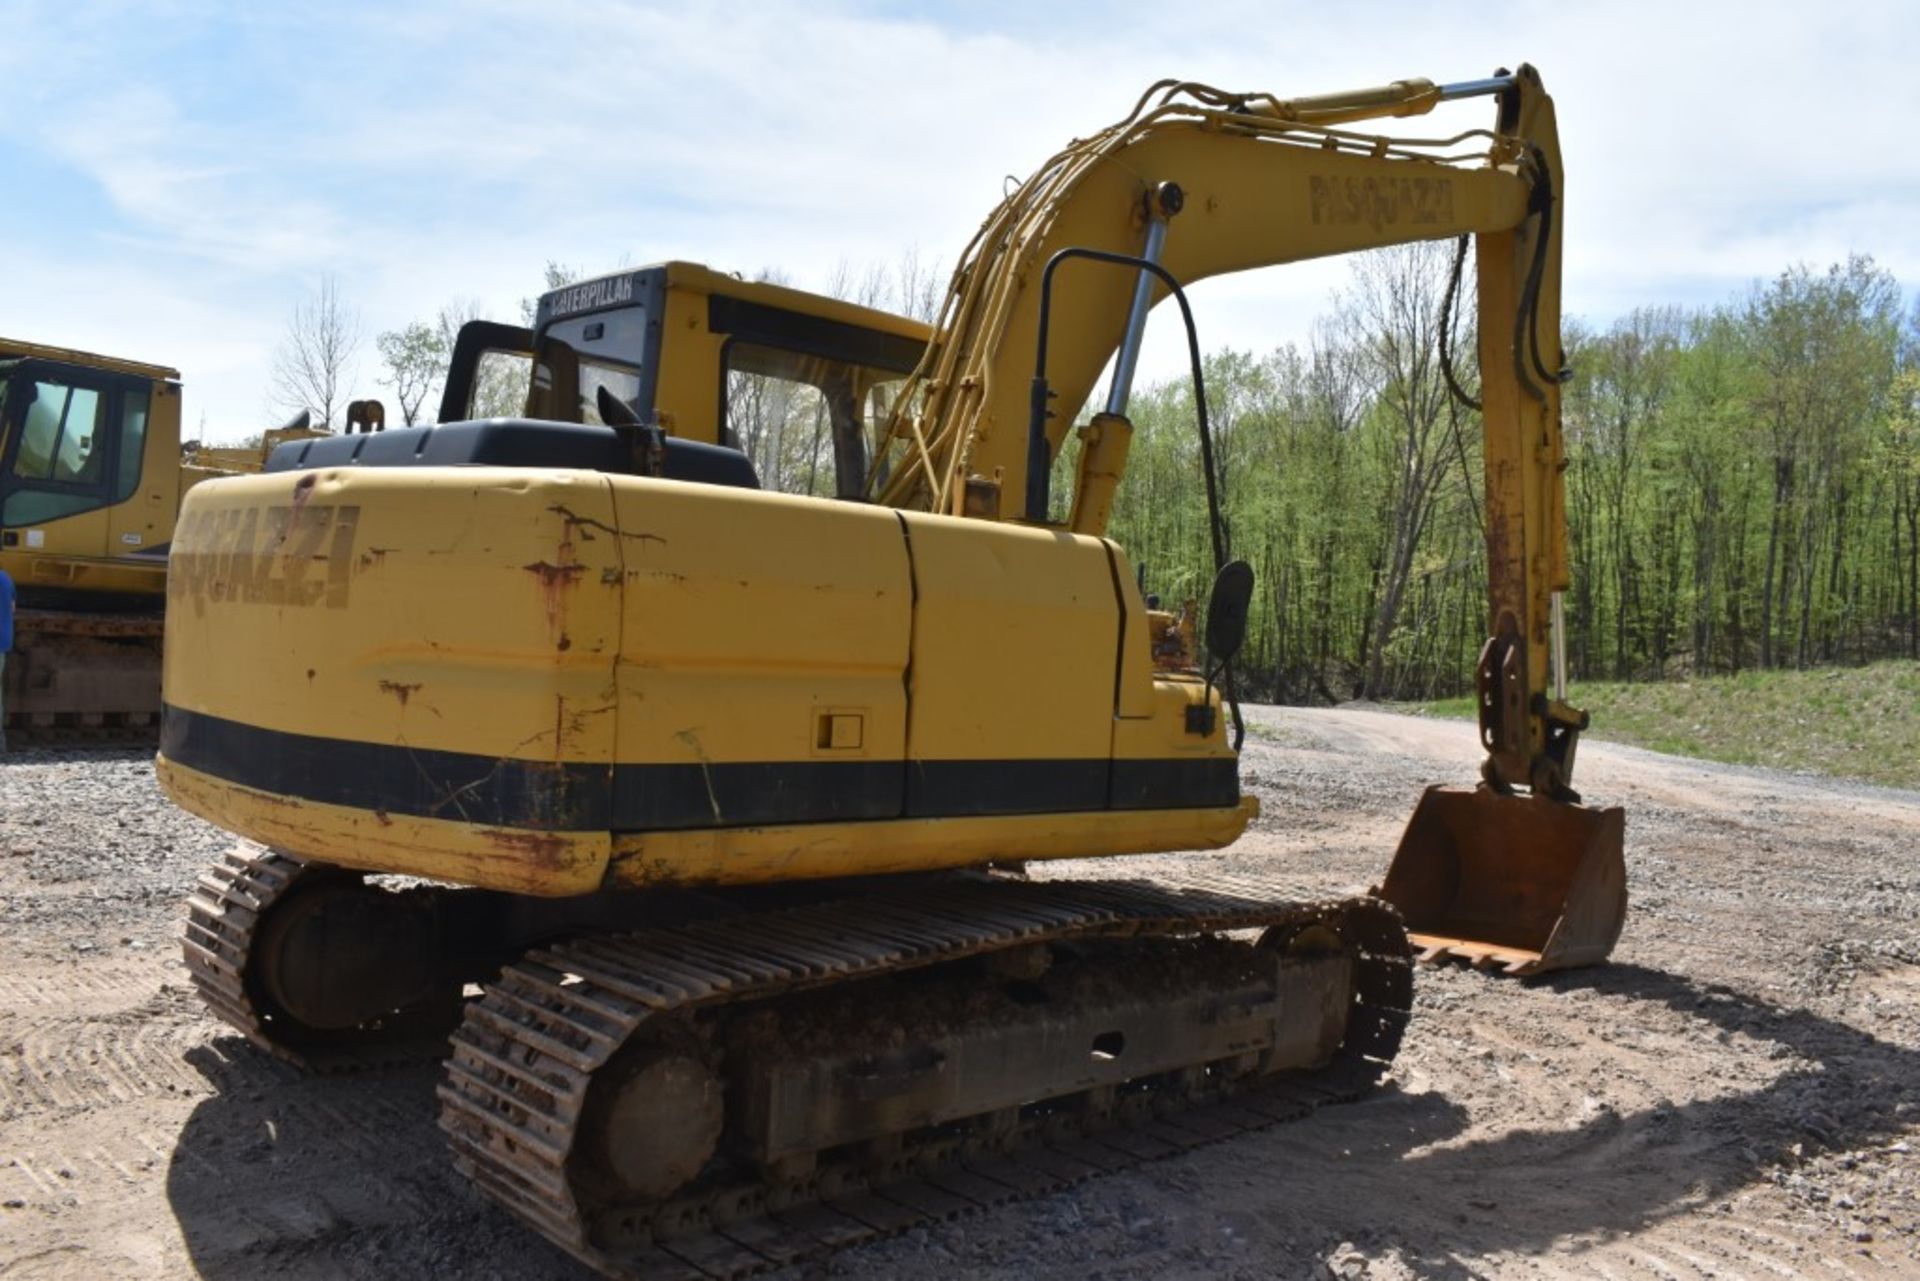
(1200, 183)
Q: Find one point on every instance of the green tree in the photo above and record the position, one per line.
(416, 362)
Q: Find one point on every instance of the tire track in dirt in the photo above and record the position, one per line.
(93, 1035)
(67, 1064)
(81, 988)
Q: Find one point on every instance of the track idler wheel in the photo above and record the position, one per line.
(314, 965)
(340, 954)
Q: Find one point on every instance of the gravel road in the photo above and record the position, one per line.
(1737, 1095)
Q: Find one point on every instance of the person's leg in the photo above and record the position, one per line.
(3, 701)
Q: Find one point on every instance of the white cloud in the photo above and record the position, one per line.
(427, 153)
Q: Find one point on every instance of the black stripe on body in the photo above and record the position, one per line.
(466, 787)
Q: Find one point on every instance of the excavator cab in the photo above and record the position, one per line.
(703, 356)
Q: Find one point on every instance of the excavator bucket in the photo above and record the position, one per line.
(1520, 882)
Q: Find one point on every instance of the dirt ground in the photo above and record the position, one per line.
(1737, 1095)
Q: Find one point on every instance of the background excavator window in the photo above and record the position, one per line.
(61, 466)
(133, 440)
(61, 437)
(786, 408)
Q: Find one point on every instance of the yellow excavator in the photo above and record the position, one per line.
(729, 800)
(92, 472)
(90, 481)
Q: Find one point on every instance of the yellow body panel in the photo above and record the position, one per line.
(751, 616)
(436, 608)
(1013, 642)
(504, 676)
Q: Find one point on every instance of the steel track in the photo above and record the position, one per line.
(515, 1095)
(36, 627)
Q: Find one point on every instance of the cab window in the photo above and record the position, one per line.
(605, 349)
(76, 447)
(60, 439)
(622, 381)
(806, 421)
(133, 445)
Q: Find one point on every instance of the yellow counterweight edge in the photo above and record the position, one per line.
(813, 851)
(519, 861)
(556, 864)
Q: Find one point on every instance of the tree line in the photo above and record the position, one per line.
(1743, 479)
(1743, 487)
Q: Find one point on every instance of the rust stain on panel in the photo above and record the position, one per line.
(400, 691)
(545, 850)
(584, 525)
(554, 581)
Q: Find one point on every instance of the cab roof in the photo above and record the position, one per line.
(693, 277)
(15, 347)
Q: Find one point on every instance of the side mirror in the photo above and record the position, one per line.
(1228, 609)
(647, 441)
(614, 412)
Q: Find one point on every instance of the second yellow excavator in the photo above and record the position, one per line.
(92, 471)
(725, 797)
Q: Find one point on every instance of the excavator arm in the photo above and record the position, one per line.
(1202, 183)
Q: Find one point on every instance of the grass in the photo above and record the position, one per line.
(1851, 722)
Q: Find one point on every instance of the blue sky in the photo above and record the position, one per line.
(179, 175)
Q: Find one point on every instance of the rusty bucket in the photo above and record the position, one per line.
(1519, 882)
